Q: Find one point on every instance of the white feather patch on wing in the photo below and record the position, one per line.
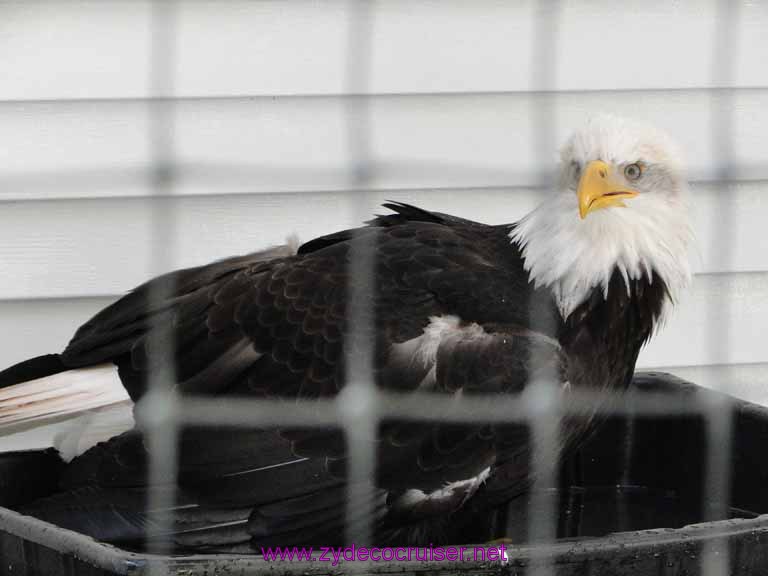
(460, 491)
(422, 350)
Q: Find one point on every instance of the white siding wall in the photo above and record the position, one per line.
(262, 151)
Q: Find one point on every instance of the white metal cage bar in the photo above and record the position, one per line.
(719, 418)
(544, 431)
(357, 403)
(162, 439)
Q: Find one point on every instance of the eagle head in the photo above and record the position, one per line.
(620, 204)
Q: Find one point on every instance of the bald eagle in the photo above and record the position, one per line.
(458, 307)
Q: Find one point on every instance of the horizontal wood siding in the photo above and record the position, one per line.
(66, 149)
(99, 48)
(103, 246)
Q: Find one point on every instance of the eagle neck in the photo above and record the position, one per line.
(573, 257)
(603, 336)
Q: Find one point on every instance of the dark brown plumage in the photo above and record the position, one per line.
(275, 327)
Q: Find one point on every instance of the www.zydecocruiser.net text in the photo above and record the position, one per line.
(494, 553)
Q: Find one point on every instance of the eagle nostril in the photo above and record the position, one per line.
(603, 174)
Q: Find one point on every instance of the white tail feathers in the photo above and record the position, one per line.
(70, 411)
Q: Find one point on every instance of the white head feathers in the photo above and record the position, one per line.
(651, 233)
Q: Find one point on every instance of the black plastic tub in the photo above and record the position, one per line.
(630, 502)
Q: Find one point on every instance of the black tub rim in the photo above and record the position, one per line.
(619, 547)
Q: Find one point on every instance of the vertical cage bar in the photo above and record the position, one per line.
(160, 401)
(357, 404)
(544, 425)
(718, 415)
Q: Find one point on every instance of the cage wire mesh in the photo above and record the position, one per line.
(719, 419)
(164, 435)
(360, 407)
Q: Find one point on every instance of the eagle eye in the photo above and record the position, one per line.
(633, 171)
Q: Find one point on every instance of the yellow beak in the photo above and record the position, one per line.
(598, 190)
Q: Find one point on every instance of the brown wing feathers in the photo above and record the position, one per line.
(272, 324)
